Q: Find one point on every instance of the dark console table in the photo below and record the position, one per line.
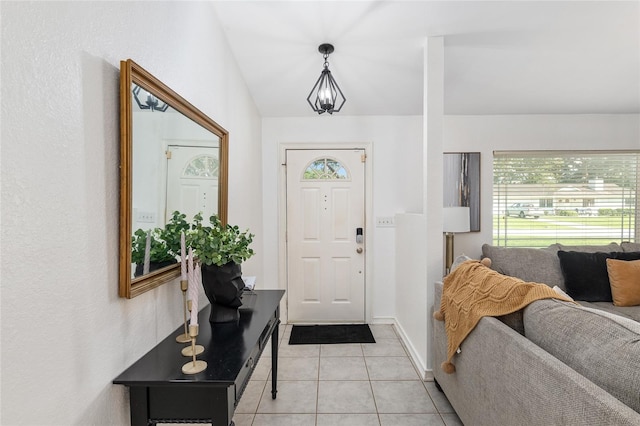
(161, 393)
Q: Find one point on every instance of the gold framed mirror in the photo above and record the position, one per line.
(172, 157)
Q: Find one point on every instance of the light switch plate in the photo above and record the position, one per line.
(385, 222)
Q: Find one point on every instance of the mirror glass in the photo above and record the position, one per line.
(173, 158)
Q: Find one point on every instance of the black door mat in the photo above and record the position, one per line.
(329, 334)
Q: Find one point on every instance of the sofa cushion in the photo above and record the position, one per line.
(605, 348)
(586, 276)
(624, 277)
(528, 264)
(631, 312)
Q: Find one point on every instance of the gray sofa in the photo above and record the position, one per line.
(553, 363)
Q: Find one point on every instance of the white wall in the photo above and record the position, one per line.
(396, 160)
(412, 288)
(65, 333)
(486, 134)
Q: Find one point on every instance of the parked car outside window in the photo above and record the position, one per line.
(523, 210)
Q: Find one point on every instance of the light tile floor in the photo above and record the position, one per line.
(347, 384)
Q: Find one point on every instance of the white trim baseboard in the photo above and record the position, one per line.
(419, 364)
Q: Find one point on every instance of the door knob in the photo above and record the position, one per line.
(359, 250)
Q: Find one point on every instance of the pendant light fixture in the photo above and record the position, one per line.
(151, 102)
(326, 93)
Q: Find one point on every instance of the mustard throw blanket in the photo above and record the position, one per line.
(473, 291)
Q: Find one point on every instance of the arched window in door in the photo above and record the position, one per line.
(203, 166)
(325, 169)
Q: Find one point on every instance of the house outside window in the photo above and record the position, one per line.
(546, 202)
(569, 197)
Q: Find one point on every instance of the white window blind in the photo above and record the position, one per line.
(569, 197)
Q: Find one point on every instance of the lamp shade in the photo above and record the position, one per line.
(456, 219)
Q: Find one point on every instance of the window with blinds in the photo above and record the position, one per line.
(569, 197)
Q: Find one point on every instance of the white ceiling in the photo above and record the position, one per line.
(501, 57)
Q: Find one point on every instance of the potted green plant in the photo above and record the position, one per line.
(159, 255)
(220, 250)
(172, 231)
(164, 244)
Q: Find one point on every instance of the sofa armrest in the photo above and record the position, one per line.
(437, 296)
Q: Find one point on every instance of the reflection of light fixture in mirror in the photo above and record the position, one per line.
(456, 219)
(152, 103)
(326, 91)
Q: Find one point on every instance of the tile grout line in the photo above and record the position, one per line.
(318, 384)
(375, 403)
(319, 357)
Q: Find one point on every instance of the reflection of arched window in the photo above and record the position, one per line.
(205, 166)
(325, 169)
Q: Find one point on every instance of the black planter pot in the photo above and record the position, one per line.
(223, 286)
(152, 266)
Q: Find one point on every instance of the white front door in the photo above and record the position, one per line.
(192, 181)
(325, 235)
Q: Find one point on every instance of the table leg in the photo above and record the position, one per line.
(139, 405)
(274, 360)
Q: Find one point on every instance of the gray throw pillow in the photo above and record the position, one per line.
(458, 261)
